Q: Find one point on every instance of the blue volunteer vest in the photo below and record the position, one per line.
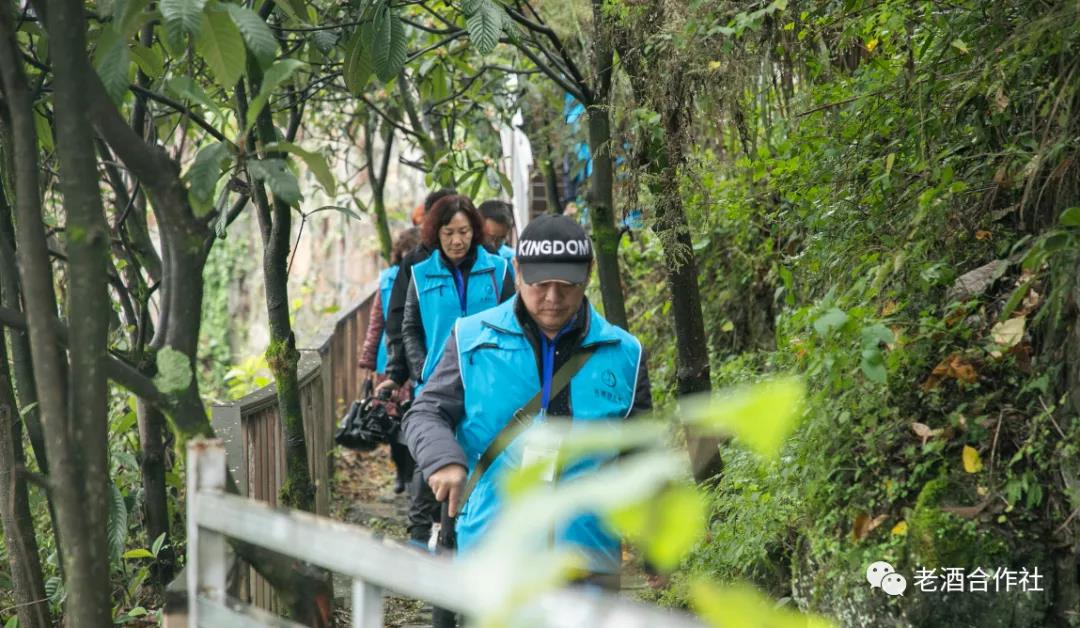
(507, 254)
(386, 286)
(499, 375)
(439, 303)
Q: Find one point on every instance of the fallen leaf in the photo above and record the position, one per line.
(967, 512)
(982, 234)
(864, 525)
(1009, 333)
(923, 431)
(952, 367)
(899, 529)
(972, 460)
(889, 308)
(982, 491)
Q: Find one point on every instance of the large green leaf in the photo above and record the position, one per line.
(181, 17)
(275, 76)
(187, 89)
(277, 175)
(315, 162)
(203, 175)
(112, 60)
(359, 61)
(148, 60)
(222, 46)
(390, 58)
(484, 21)
(760, 416)
(257, 35)
(128, 16)
(117, 525)
(174, 371)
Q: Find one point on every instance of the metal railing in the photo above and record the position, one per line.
(375, 565)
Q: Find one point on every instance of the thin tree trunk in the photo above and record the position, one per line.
(81, 488)
(275, 224)
(377, 179)
(22, 547)
(551, 186)
(75, 444)
(601, 188)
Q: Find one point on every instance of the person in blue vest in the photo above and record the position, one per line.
(373, 361)
(498, 224)
(495, 361)
(458, 277)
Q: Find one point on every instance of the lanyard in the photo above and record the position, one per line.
(547, 363)
(459, 283)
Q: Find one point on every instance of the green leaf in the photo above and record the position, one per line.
(359, 64)
(1070, 217)
(830, 320)
(390, 59)
(222, 46)
(181, 17)
(111, 60)
(174, 371)
(275, 76)
(315, 162)
(203, 175)
(874, 335)
(761, 416)
(873, 365)
(669, 526)
(148, 60)
(484, 21)
(257, 35)
(117, 526)
(128, 16)
(275, 174)
(742, 605)
(159, 543)
(138, 553)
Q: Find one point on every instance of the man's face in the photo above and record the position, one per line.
(550, 303)
(495, 233)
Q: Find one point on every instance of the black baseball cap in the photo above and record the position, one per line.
(554, 248)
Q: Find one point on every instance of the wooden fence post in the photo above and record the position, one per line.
(206, 558)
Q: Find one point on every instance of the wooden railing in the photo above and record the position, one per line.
(375, 565)
(251, 427)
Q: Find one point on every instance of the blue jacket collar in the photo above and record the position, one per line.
(504, 320)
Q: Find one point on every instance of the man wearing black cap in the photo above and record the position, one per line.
(546, 352)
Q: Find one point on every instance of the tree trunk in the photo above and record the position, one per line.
(18, 525)
(275, 223)
(551, 187)
(377, 179)
(601, 187)
(692, 359)
(80, 462)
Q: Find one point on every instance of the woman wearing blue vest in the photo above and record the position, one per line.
(373, 355)
(496, 361)
(459, 278)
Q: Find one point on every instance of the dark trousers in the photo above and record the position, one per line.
(423, 509)
(403, 462)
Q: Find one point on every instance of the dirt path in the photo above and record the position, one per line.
(363, 494)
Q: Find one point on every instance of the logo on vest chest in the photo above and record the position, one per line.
(610, 390)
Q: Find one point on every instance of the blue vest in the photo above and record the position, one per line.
(439, 303)
(507, 254)
(499, 375)
(386, 286)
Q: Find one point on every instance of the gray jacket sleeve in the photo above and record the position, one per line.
(412, 334)
(429, 424)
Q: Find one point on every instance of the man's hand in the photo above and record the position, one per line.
(447, 483)
(389, 385)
